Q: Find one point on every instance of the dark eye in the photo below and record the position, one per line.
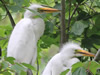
(75, 51)
(39, 10)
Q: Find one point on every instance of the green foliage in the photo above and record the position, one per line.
(17, 68)
(92, 66)
(10, 60)
(84, 28)
(65, 72)
(29, 66)
(78, 27)
(76, 66)
(9, 67)
(80, 71)
(80, 68)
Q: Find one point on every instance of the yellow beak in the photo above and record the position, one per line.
(85, 53)
(48, 10)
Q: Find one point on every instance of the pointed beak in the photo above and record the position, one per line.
(48, 10)
(85, 53)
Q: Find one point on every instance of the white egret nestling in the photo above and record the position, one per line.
(65, 59)
(22, 44)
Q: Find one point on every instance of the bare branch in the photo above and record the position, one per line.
(29, 72)
(74, 11)
(70, 17)
(95, 47)
(97, 56)
(9, 14)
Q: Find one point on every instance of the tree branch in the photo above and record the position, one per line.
(63, 25)
(95, 47)
(97, 56)
(69, 20)
(72, 15)
(74, 11)
(90, 7)
(9, 14)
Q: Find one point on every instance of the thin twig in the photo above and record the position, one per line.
(95, 47)
(4, 17)
(9, 14)
(37, 66)
(90, 7)
(74, 11)
(72, 16)
(69, 20)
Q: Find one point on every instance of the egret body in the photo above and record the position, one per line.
(22, 44)
(65, 59)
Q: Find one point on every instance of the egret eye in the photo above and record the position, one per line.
(40, 10)
(76, 51)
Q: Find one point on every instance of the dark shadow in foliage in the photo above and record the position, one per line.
(89, 41)
(0, 53)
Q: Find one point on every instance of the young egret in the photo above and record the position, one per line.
(65, 59)
(23, 40)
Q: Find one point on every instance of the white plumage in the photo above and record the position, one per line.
(64, 59)
(23, 40)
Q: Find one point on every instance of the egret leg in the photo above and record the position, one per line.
(29, 72)
(16, 73)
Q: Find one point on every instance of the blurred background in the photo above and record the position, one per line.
(82, 25)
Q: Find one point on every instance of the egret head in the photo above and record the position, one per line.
(38, 8)
(73, 50)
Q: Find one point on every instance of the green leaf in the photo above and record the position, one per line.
(14, 8)
(96, 27)
(83, 15)
(76, 65)
(23, 73)
(2, 32)
(6, 73)
(17, 67)
(57, 6)
(4, 64)
(47, 40)
(10, 60)
(19, 2)
(92, 66)
(50, 26)
(28, 66)
(79, 1)
(65, 72)
(87, 43)
(79, 71)
(26, 2)
(97, 3)
(4, 43)
(78, 27)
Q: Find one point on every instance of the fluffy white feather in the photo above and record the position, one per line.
(63, 60)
